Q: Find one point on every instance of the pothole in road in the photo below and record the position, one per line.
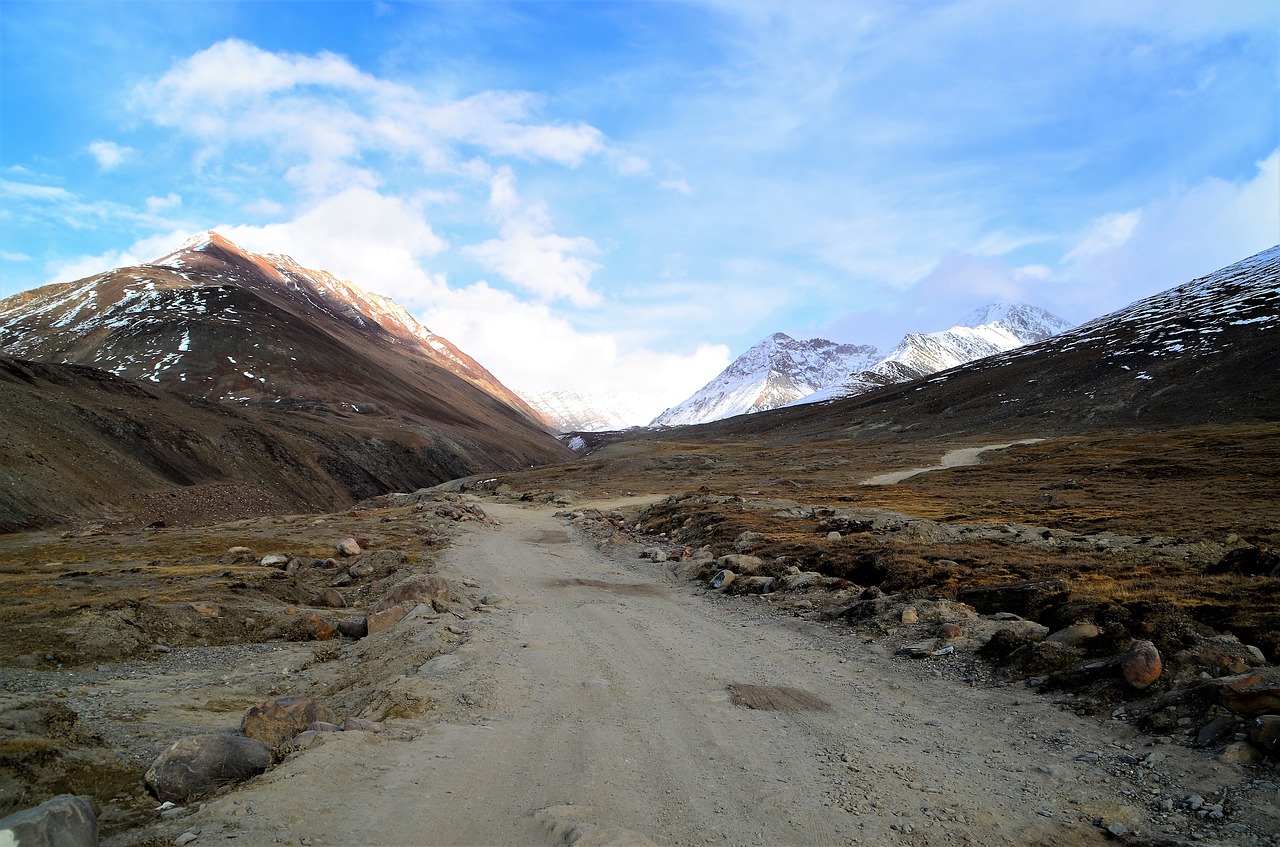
(775, 698)
(631, 589)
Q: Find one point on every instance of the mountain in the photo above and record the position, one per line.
(569, 411)
(1204, 352)
(773, 373)
(295, 350)
(984, 332)
(213, 319)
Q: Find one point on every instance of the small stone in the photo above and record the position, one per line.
(1142, 665)
(1195, 802)
(1214, 731)
(833, 536)
(910, 615)
(1265, 734)
(185, 838)
(317, 628)
(361, 725)
(348, 547)
(1074, 635)
(1240, 753)
(949, 631)
(354, 628)
(384, 620)
(207, 609)
(1117, 830)
(279, 719)
(274, 560)
(239, 551)
(330, 598)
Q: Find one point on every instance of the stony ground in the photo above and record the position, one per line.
(585, 684)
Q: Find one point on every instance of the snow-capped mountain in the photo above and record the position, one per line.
(773, 373)
(992, 329)
(214, 320)
(569, 411)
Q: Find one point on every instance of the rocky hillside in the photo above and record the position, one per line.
(570, 411)
(340, 393)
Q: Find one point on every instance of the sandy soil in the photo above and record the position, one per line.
(602, 702)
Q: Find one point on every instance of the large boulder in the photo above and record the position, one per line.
(64, 821)
(429, 589)
(1142, 665)
(1264, 732)
(275, 721)
(199, 764)
(1253, 693)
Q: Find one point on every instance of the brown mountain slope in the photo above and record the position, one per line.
(342, 392)
(77, 443)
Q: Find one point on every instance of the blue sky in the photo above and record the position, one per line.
(621, 197)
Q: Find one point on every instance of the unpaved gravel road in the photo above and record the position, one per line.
(951, 459)
(595, 709)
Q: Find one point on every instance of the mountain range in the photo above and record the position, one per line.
(781, 371)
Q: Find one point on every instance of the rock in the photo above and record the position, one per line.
(753, 585)
(355, 628)
(239, 551)
(197, 765)
(313, 627)
(910, 615)
(303, 740)
(328, 599)
(1253, 693)
(740, 564)
(1142, 665)
(1249, 561)
(185, 838)
(1115, 829)
(361, 725)
(429, 589)
(206, 609)
(1265, 734)
(747, 540)
(348, 547)
(1027, 598)
(723, 579)
(384, 620)
(360, 568)
(1216, 730)
(1240, 753)
(496, 601)
(1075, 635)
(833, 536)
(274, 560)
(275, 721)
(950, 630)
(63, 821)
(323, 726)
(919, 650)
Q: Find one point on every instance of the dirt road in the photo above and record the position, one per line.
(607, 704)
(951, 459)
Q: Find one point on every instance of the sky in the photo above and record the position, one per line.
(621, 197)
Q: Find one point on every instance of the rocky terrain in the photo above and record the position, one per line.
(1033, 600)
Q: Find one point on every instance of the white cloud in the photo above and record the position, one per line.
(529, 254)
(108, 154)
(677, 185)
(155, 205)
(9, 256)
(264, 207)
(1106, 234)
(326, 117)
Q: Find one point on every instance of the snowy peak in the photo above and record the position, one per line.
(772, 373)
(1027, 323)
(215, 319)
(570, 411)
